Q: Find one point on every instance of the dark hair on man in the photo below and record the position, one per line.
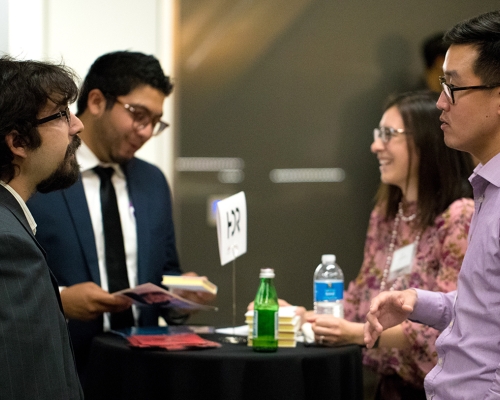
(433, 47)
(118, 73)
(483, 32)
(442, 173)
(25, 89)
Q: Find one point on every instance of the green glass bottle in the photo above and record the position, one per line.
(265, 315)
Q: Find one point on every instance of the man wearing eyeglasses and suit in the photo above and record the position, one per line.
(38, 141)
(468, 354)
(113, 229)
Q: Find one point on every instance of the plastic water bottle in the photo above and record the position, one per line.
(265, 314)
(329, 287)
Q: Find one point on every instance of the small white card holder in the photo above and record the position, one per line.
(232, 236)
(232, 227)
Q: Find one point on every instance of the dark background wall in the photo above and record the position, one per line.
(291, 84)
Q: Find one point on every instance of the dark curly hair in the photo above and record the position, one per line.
(25, 88)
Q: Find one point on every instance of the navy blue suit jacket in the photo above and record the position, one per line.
(65, 232)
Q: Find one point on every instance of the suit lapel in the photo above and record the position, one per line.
(78, 208)
(139, 199)
(10, 202)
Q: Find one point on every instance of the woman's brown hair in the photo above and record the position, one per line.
(443, 172)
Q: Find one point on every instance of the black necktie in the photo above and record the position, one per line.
(114, 250)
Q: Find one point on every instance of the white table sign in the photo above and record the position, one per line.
(232, 227)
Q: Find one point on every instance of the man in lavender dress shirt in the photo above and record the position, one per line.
(468, 365)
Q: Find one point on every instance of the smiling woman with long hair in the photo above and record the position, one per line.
(417, 237)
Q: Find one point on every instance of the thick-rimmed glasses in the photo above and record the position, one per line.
(450, 89)
(64, 113)
(143, 117)
(385, 134)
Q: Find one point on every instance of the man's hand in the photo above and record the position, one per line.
(86, 301)
(199, 297)
(388, 309)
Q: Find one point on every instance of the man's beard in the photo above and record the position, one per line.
(66, 173)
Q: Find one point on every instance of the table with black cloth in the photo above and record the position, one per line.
(232, 372)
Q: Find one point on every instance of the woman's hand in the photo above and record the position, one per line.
(332, 331)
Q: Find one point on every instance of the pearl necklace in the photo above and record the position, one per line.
(399, 217)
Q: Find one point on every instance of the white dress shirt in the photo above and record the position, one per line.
(91, 185)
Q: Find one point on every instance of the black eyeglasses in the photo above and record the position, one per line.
(65, 113)
(449, 89)
(143, 117)
(385, 134)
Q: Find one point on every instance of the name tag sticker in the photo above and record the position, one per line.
(402, 260)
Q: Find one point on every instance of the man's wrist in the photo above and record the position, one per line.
(176, 317)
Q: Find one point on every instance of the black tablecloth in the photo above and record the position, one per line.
(231, 372)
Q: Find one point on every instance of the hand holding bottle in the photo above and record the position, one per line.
(329, 287)
(332, 331)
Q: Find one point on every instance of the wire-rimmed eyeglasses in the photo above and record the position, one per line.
(143, 117)
(450, 89)
(64, 113)
(385, 134)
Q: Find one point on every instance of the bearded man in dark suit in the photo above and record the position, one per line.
(38, 141)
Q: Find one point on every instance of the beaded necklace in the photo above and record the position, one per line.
(399, 217)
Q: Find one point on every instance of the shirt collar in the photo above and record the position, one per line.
(489, 171)
(27, 213)
(88, 160)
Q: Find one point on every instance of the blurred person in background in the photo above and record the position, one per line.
(433, 53)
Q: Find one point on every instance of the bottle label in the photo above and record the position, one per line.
(276, 325)
(265, 324)
(328, 290)
(255, 323)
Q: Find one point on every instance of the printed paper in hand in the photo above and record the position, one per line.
(149, 294)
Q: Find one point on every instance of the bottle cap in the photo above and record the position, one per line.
(266, 273)
(328, 259)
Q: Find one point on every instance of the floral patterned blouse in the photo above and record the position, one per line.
(438, 259)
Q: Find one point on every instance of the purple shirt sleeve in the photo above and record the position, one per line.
(434, 308)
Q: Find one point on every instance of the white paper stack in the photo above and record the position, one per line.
(288, 326)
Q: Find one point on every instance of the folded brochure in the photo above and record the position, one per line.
(149, 294)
